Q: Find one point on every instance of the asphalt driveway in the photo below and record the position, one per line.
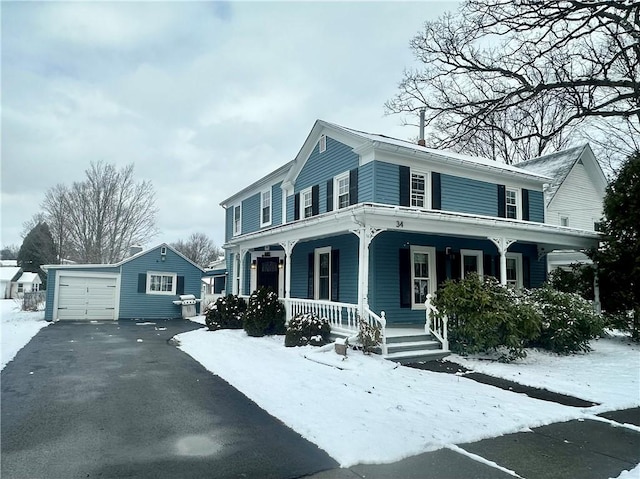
(116, 399)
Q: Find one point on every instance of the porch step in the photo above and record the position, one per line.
(423, 345)
(407, 357)
(409, 338)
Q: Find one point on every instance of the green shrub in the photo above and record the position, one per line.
(485, 316)
(225, 313)
(306, 329)
(568, 321)
(369, 336)
(265, 314)
(578, 279)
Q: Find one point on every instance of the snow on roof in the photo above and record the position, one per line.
(28, 277)
(477, 160)
(555, 165)
(8, 262)
(7, 273)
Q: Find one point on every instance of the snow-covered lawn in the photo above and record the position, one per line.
(17, 328)
(368, 410)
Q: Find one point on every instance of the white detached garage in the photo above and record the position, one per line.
(142, 286)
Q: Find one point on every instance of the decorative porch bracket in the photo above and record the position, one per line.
(365, 234)
(502, 244)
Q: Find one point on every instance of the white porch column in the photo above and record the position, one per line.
(596, 291)
(502, 244)
(287, 246)
(365, 235)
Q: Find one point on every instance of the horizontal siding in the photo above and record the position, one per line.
(319, 167)
(387, 181)
(251, 214)
(276, 204)
(290, 206)
(536, 206)
(51, 286)
(578, 199)
(366, 181)
(464, 195)
(228, 223)
(134, 305)
(348, 246)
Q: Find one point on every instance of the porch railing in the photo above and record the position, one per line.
(342, 317)
(380, 321)
(436, 323)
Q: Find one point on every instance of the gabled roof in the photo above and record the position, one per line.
(558, 165)
(7, 273)
(116, 265)
(27, 277)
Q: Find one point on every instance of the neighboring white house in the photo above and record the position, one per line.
(26, 283)
(574, 198)
(8, 274)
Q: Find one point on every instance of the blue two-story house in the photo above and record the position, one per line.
(366, 225)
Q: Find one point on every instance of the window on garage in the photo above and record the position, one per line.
(161, 283)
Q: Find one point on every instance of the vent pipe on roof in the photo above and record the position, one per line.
(421, 141)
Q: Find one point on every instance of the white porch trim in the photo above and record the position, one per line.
(502, 244)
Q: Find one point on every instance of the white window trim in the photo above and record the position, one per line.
(266, 223)
(479, 258)
(322, 144)
(433, 281)
(427, 188)
(174, 282)
(303, 193)
(564, 217)
(519, 270)
(316, 271)
(236, 231)
(336, 192)
(518, 192)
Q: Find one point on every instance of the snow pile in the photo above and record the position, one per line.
(366, 409)
(17, 328)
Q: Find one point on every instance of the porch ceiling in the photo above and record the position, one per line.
(411, 220)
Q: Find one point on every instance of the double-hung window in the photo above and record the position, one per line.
(306, 203)
(423, 272)
(161, 283)
(265, 216)
(237, 220)
(512, 205)
(419, 189)
(342, 191)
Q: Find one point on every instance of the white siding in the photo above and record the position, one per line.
(578, 199)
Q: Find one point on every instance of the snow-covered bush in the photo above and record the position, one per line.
(225, 313)
(568, 321)
(369, 336)
(265, 314)
(306, 329)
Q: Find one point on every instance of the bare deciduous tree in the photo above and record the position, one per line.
(96, 220)
(523, 73)
(199, 248)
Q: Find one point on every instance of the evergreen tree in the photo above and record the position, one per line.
(37, 249)
(619, 257)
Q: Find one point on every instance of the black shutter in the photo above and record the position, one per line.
(487, 266)
(310, 264)
(180, 285)
(330, 195)
(405, 186)
(441, 267)
(335, 275)
(353, 186)
(436, 201)
(526, 271)
(404, 263)
(142, 283)
(456, 267)
(525, 204)
(296, 206)
(315, 200)
(501, 201)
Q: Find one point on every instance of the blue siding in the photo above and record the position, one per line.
(464, 195)
(228, 223)
(319, 167)
(538, 267)
(276, 205)
(135, 305)
(536, 206)
(290, 205)
(348, 246)
(366, 181)
(387, 183)
(251, 214)
(230, 272)
(246, 278)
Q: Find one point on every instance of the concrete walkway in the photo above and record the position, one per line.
(116, 399)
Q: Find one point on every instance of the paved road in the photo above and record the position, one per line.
(114, 399)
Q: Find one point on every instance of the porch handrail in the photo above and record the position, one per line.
(341, 316)
(435, 323)
(380, 321)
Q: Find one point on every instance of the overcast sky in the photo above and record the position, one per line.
(203, 98)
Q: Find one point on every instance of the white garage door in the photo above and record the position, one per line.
(90, 298)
